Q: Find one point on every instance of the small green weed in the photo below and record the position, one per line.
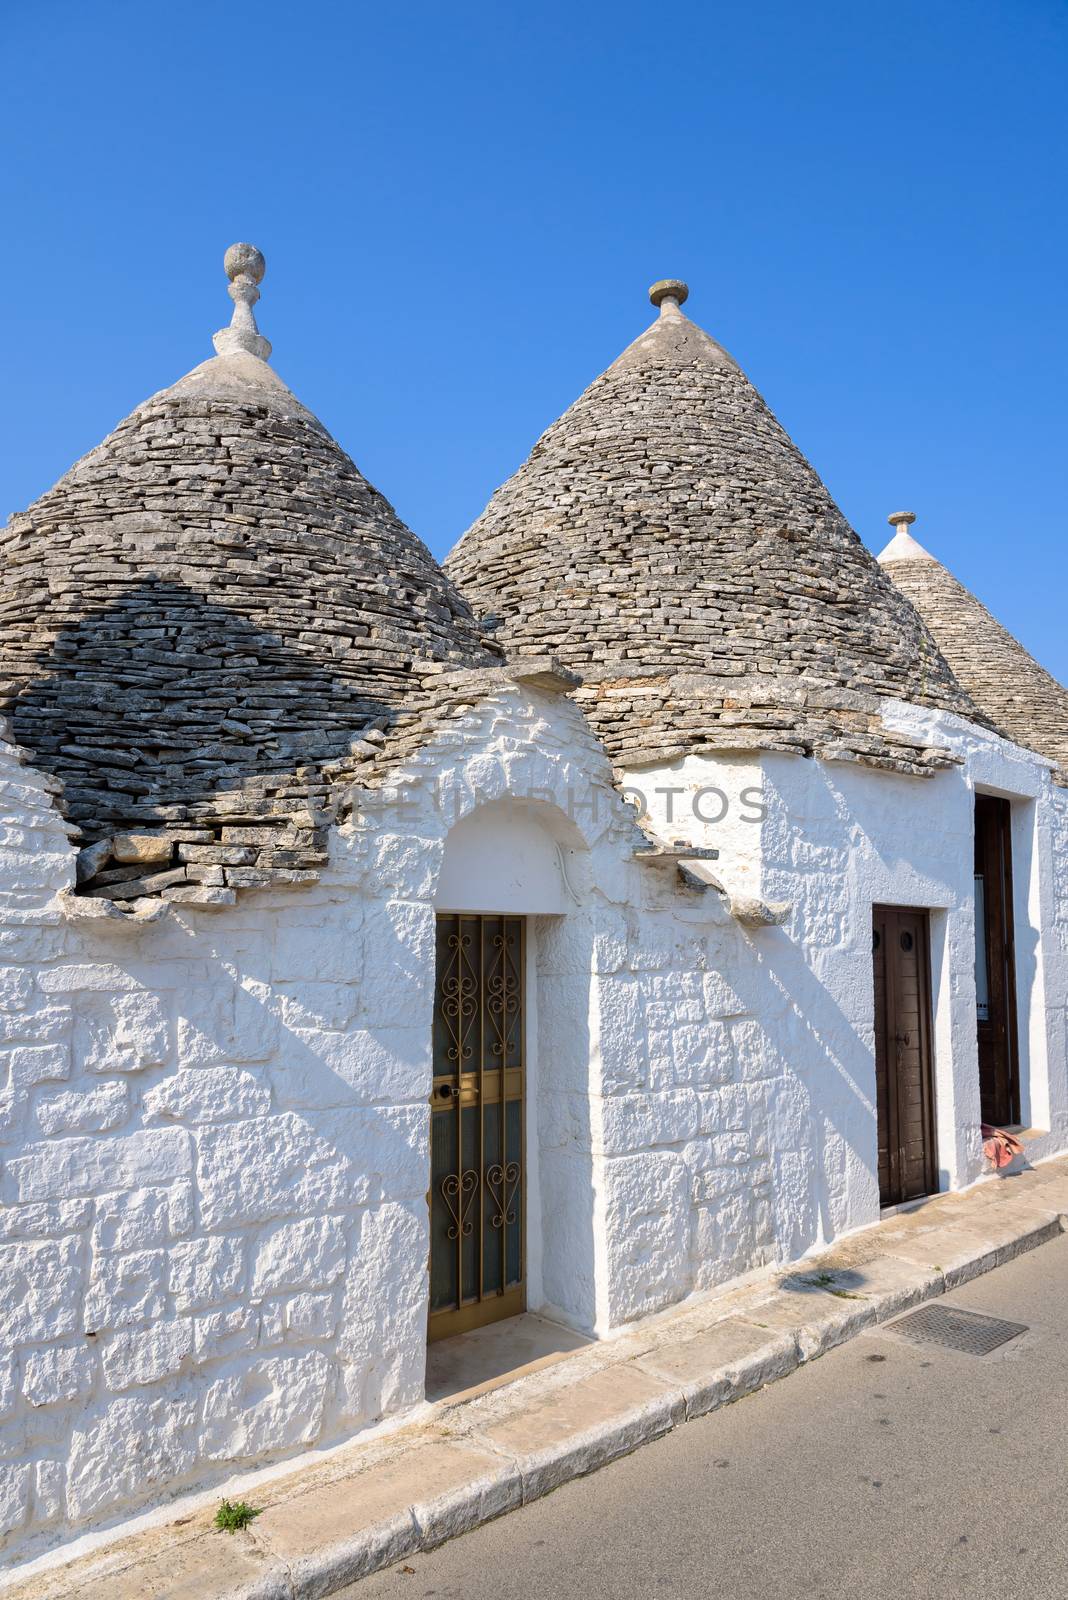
(233, 1515)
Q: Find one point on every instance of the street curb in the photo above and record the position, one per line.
(544, 1471)
(525, 1439)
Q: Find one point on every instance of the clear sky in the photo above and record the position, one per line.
(462, 206)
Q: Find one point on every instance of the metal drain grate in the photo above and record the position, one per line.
(957, 1330)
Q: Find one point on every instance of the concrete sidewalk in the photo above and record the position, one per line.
(372, 1504)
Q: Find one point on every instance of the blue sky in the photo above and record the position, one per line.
(462, 207)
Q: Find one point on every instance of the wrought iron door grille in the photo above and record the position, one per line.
(476, 1192)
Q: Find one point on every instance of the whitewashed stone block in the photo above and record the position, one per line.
(16, 988)
(26, 1065)
(226, 1023)
(49, 1490)
(40, 1024)
(40, 1289)
(104, 1106)
(648, 1230)
(121, 1451)
(206, 1271)
(15, 1482)
(139, 1220)
(274, 1167)
(9, 1386)
(624, 1058)
(398, 976)
(123, 1032)
(373, 1320)
(13, 1103)
(89, 975)
(314, 1005)
(45, 1221)
(265, 1405)
(330, 953)
(311, 1316)
(637, 1122)
(387, 1148)
(225, 1333)
(272, 1323)
(67, 1167)
(62, 1373)
(298, 1255)
(207, 1094)
(146, 1356)
(126, 1290)
(381, 1066)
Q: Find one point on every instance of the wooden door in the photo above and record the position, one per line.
(903, 1077)
(476, 1164)
(995, 963)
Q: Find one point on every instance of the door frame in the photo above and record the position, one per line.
(922, 915)
(509, 1301)
(1004, 969)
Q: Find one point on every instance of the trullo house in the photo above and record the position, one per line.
(661, 890)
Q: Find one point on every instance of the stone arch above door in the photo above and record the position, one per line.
(511, 856)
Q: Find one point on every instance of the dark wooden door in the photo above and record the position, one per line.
(904, 1085)
(995, 963)
(476, 1136)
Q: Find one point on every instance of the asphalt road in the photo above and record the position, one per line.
(886, 1469)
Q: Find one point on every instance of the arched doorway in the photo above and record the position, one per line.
(503, 884)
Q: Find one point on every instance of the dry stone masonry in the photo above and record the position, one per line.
(208, 607)
(668, 541)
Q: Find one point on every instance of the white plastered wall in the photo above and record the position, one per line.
(214, 1129)
(833, 840)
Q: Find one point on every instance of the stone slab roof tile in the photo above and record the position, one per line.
(666, 525)
(214, 602)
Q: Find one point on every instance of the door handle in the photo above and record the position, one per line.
(902, 1038)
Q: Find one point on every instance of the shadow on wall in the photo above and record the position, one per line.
(818, 1102)
(162, 697)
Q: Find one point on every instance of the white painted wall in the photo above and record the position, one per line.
(214, 1130)
(506, 857)
(835, 840)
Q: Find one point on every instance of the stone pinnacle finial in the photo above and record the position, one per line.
(668, 294)
(245, 267)
(903, 547)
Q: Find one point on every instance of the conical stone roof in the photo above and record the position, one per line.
(1020, 698)
(204, 610)
(668, 541)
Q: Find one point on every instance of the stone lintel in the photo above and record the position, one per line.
(543, 672)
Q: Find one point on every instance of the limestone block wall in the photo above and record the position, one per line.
(214, 1144)
(838, 840)
(214, 1130)
(832, 839)
(1057, 979)
(689, 1068)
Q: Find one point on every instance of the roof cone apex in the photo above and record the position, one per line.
(239, 376)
